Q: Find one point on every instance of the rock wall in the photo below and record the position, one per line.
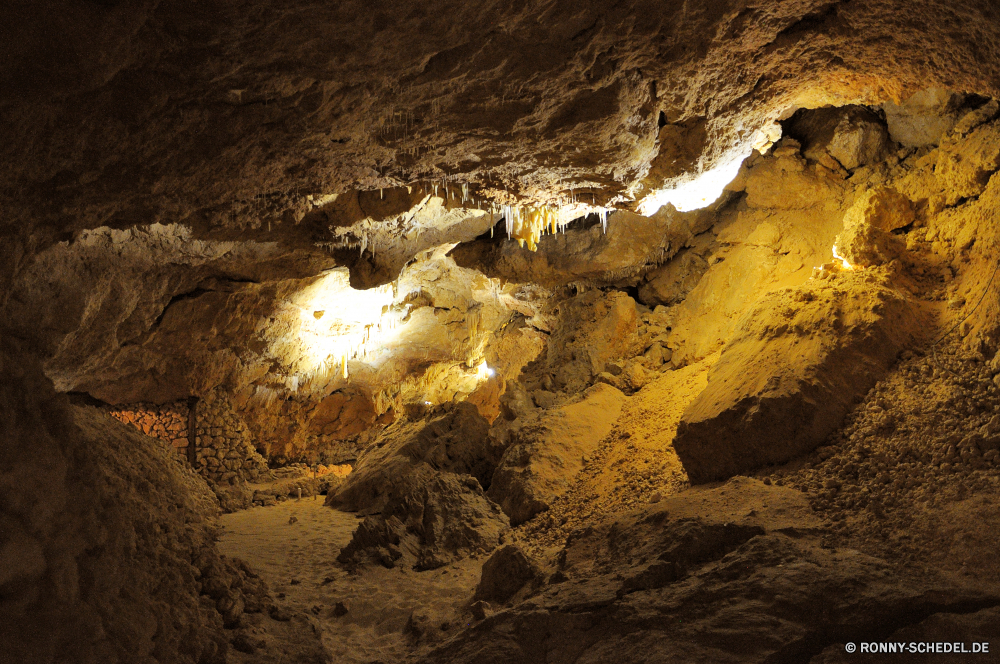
(224, 446)
(107, 552)
(168, 422)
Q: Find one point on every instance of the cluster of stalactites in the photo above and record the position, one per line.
(528, 224)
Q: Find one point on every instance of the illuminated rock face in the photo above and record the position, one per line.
(426, 241)
(798, 360)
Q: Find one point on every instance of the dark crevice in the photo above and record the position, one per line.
(816, 642)
(86, 399)
(190, 295)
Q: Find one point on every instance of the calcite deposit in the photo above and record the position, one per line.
(497, 332)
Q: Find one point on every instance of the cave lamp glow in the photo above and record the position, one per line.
(484, 372)
(700, 191)
(844, 263)
(339, 324)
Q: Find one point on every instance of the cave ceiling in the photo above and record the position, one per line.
(177, 177)
(240, 115)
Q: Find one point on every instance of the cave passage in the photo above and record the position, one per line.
(542, 333)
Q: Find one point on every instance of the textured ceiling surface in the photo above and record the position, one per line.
(223, 112)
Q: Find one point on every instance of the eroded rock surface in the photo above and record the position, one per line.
(548, 452)
(788, 376)
(418, 484)
(648, 586)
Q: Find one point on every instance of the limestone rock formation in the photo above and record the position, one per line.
(548, 452)
(505, 574)
(924, 117)
(758, 549)
(586, 332)
(524, 273)
(867, 238)
(851, 136)
(618, 251)
(418, 485)
(112, 555)
(787, 377)
(671, 283)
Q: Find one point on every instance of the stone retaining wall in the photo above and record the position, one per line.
(224, 446)
(168, 422)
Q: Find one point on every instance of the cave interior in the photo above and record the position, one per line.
(542, 331)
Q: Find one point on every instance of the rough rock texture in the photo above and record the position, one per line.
(867, 238)
(852, 136)
(507, 572)
(671, 283)
(917, 462)
(108, 552)
(297, 481)
(589, 252)
(196, 114)
(548, 452)
(783, 224)
(156, 316)
(959, 630)
(586, 332)
(787, 378)
(923, 118)
(259, 198)
(421, 485)
(649, 587)
(908, 225)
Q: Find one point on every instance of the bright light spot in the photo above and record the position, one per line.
(697, 192)
(427, 403)
(843, 261)
(483, 372)
(339, 324)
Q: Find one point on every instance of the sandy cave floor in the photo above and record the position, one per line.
(298, 562)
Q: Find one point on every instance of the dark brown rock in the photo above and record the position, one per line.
(505, 573)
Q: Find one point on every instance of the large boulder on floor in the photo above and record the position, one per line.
(420, 483)
(429, 516)
(867, 238)
(798, 361)
(851, 135)
(548, 452)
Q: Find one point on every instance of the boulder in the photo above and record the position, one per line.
(798, 360)
(547, 454)
(924, 118)
(418, 483)
(592, 329)
(506, 572)
(867, 237)
(851, 135)
(672, 282)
